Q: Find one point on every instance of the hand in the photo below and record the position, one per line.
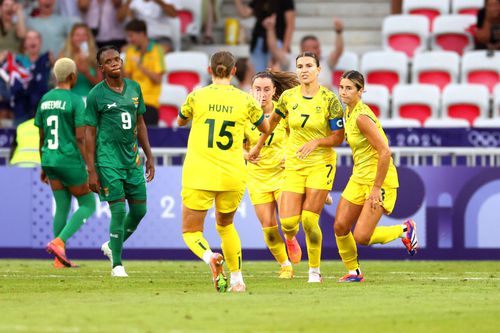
(150, 169)
(376, 198)
(306, 149)
(94, 183)
(338, 26)
(254, 154)
(269, 22)
(253, 160)
(259, 96)
(43, 177)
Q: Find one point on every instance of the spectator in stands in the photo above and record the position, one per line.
(68, 8)
(5, 109)
(488, 26)
(24, 152)
(160, 15)
(102, 17)
(52, 27)
(144, 63)
(12, 25)
(244, 74)
(309, 43)
(284, 27)
(27, 92)
(210, 14)
(80, 46)
(396, 7)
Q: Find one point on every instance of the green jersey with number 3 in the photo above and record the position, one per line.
(59, 112)
(114, 115)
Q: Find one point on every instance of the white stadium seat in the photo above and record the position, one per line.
(416, 101)
(405, 33)
(377, 97)
(387, 68)
(450, 33)
(429, 8)
(478, 67)
(187, 68)
(466, 7)
(436, 67)
(465, 101)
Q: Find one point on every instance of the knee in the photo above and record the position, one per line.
(340, 229)
(290, 223)
(362, 238)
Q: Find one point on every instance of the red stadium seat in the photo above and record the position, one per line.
(428, 8)
(416, 101)
(348, 61)
(186, 68)
(171, 99)
(385, 67)
(466, 7)
(377, 98)
(186, 18)
(405, 33)
(465, 101)
(436, 67)
(189, 12)
(452, 33)
(478, 67)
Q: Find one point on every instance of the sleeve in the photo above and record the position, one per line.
(255, 112)
(160, 64)
(79, 108)
(281, 106)
(91, 110)
(335, 113)
(141, 109)
(186, 111)
(38, 117)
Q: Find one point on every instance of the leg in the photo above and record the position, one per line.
(116, 230)
(136, 211)
(192, 232)
(291, 207)
(367, 232)
(63, 204)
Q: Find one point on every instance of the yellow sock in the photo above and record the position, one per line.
(314, 237)
(382, 235)
(275, 243)
(290, 226)
(348, 251)
(196, 243)
(231, 246)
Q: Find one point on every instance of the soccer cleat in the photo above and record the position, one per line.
(119, 271)
(286, 272)
(352, 278)
(56, 248)
(294, 250)
(218, 277)
(106, 250)
(410, 240)
(315, 278)
(238, 287)
(58, 264)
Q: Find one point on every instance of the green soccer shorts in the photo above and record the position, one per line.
(121, 183)
(67, 176)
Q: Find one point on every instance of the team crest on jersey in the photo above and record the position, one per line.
(136, 101)
(106, 191)
(318, 109)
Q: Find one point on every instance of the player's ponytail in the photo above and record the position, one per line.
(222, 63)
(281, 80)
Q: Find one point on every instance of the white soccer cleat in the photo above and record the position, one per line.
(119, 271)
(106, 250)
(315, 278)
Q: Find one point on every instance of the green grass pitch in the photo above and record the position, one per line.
(177, 296)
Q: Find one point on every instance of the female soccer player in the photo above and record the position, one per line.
(60, 118)
(372, 188)
(314, 117)
(265, 175)
(214, 169)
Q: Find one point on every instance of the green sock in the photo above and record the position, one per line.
(136, 212)
(86, 207)
(116, 231)
(63, 205)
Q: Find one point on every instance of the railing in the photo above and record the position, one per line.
(407, 156)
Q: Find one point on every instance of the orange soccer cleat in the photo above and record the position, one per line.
(294, 250)
(56, 248)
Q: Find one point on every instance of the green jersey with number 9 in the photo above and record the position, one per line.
(114, 115)
(59, 112)
(214, 159)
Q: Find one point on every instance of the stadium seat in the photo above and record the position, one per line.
(494, 121)
(348, 61)
(387, 68)
(405, 33)
(451, 33)
(465, 101)
(446, 123)
(429, 8)
(466, 7)
(478, 67)
(188, 69)
(189, 13)
(399, 123)
(171, 99)
(377, 98)
(436, 67)
(415, 101)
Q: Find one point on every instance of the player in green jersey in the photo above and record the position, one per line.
(60, 119)
(115, 109)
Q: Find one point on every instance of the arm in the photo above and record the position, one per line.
(123, 11)
(289, 29)
(483, 34)
(183, 121)
(270, 125)
(153, 76)
(370, 131)
(334, 56)
(43, 176)
(20, 25)
(334, 139)
(83, 5)
(242, 9)
(278, 54)
(142, 136)
(168, 9)
(90, 135)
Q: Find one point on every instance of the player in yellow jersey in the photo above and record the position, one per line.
(314, 116)
(214, 168)
(372, 188)
(265, 174)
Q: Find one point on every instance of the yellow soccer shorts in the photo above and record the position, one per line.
(319, 177)
(225, 201)
(357, 194)
(258, 198)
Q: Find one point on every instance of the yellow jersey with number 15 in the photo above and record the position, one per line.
(309, 118)
(214, 159)
(364, 155)
(267, 174)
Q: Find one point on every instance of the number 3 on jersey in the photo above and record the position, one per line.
(222, 133)
(53, 143)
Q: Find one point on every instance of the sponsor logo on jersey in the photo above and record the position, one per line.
(111, 105)
(295, 106)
